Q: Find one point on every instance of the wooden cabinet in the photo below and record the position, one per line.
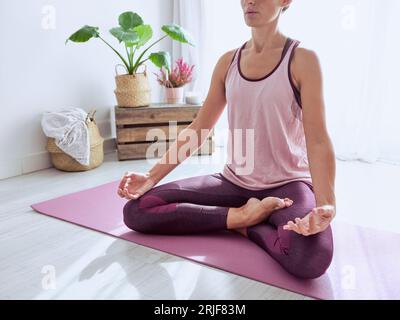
(156, 125)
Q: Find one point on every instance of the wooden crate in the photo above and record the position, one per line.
(133, 125)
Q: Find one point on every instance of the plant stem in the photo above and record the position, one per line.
(129, 59)
(138, 62)
(141, 62)
(131, 55)
(119, 55)
(127, 54)
(134, 51)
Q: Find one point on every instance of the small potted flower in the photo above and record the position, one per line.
(175, 81)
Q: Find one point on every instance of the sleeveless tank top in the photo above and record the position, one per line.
(266, 142)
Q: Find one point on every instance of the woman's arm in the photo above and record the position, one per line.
(205, 120)
(308, 76)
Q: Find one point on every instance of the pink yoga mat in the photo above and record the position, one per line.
(366, 263)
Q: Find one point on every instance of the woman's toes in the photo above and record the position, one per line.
(280, 203)
(288, 202)
(274, 203)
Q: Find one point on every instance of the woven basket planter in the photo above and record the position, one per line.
(65, 162)
(132, 90)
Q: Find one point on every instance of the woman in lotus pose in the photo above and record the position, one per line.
(282, 196)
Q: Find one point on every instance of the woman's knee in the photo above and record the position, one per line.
(143, 214)
(312, 260)
(133, 218)
(315, 268)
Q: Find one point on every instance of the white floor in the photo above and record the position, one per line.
(42, 257)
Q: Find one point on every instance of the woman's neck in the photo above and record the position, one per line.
(265, 38)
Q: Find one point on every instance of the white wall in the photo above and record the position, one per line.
(38, 72)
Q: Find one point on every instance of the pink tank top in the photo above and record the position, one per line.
(266, 142)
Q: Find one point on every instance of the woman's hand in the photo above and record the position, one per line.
(133, 185)
(316, 221)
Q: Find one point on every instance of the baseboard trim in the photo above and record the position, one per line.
(39, 161)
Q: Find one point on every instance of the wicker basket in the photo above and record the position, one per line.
(133, 90)
(65, 162)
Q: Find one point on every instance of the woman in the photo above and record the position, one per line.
(283, 197)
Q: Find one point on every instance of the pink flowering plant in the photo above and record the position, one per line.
(179, 76)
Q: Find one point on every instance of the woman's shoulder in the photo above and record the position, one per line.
(305, 65)
(304, 58)
(304, 55)
(225, 61)
(229, 55)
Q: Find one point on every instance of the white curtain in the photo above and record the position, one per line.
(366, 121)
(357, 42)
(190, 15)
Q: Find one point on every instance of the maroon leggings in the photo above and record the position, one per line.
(201, 203)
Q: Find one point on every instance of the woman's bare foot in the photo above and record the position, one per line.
(242, 231)
(254, 212)
(257, 210)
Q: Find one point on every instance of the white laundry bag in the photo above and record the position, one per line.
(69, 129)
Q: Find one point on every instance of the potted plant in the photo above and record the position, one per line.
(132, 88)
(175, 81)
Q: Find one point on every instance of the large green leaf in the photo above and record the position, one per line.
(84, 34)
(145, 33)
(176, 32)
(129, 20)
(126, 36)
(161, 59)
